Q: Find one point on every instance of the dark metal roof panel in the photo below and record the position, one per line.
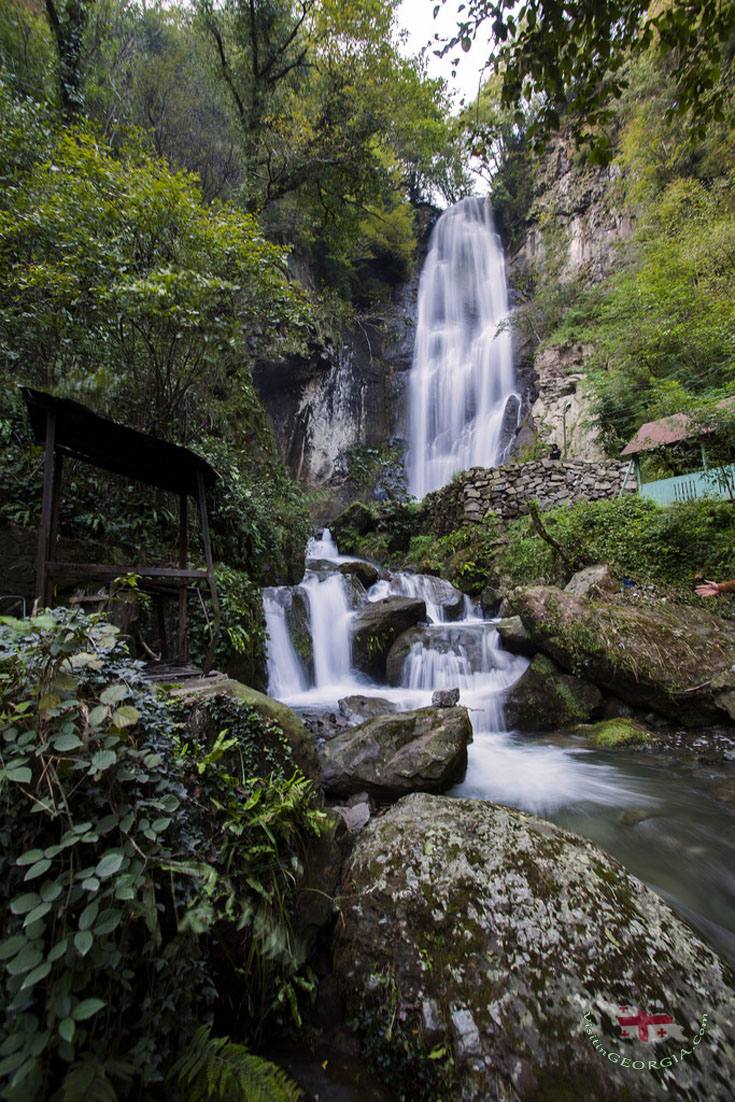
(669, 430)
(83, 434)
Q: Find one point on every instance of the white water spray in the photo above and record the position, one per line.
(462, 387)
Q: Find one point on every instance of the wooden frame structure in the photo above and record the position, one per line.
(68, 429)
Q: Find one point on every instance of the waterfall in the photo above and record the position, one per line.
(286, 675)
(330, 627)
(462, 399)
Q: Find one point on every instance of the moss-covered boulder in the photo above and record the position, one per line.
(421, 751)
(356, 519)
(376, 627)
(300, 742)
(473, 930)
(620, 731)
(659, 657)
(365, 572)
(514, 635)
(546, 698)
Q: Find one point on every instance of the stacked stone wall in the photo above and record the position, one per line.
(507, 490)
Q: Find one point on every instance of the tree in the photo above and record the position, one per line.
(573, 54)
(116, 283)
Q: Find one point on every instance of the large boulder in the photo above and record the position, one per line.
(356, 709)
(197, 692)
(365, 572)
(391, 755)
(355, 519)
(545, 698)
(507, 948)
(375, 628)
(514, 635)
(298, 622)
(659, 657)
(593, 581)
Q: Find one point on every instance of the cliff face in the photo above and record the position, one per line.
(342, 398)
(576, 227)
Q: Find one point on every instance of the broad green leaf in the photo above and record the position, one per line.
(22, 904)
(30, 857)
(109, 864)
(113, 694)
(37, 974)
(12, 945)
(126, 716)
(38, 869)
(108, 921)
(58, 950)
(50, 890)
(88, 915)
(64, 743)
(86, 1009)
(48, 702)
(98, 715)
(102, 760)
(83, 941)
(38, 912)
(19, 774)
(66, 1029)
(28, 958)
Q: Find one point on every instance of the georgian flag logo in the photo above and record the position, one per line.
(635, 1024)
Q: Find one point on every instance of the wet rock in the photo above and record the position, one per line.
(365, 572)
(425, 751)
(355, 518)
(445, 698)
(660, 657)
(376, 627)
(537, 938)
(592, 581)
(298, 622)
(515, 636)
(723, 686)
(490, 599)
(545, 698)
(622, 731)
(356, 709)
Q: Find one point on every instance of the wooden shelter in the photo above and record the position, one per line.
(698, 483)
(68, 429)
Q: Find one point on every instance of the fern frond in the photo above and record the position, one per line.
(215, 1069)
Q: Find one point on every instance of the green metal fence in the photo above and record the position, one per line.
(690, 487)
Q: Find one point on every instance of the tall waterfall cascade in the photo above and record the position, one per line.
(463, 405)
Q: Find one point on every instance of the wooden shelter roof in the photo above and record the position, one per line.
(83, 434)
(669, 430)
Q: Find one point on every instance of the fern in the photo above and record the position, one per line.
(216, 1069)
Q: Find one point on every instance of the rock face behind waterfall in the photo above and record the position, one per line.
(661, 657)
(405, 752)
(492, 933)
(376, 627)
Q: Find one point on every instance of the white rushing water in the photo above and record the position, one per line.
(462, 384)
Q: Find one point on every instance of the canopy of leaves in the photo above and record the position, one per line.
(572, 56)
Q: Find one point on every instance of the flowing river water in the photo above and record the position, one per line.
(662, 815)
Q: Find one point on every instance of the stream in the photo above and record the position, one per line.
(660, 814)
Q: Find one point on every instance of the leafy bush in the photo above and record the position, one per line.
(638, 538)
(137, 875)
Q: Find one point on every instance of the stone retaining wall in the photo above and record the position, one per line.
(506, 490)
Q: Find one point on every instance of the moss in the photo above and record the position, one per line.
(614, 732)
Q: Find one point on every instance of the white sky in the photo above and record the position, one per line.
(416, 17)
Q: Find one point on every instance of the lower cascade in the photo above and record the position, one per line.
(651, 818)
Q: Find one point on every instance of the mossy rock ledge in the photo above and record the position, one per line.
(661, 658)
(512, 944)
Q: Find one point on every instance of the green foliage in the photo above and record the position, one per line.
(128, 874)
(570, 59)
(640, 541)
(117, 284)
(215, 1068)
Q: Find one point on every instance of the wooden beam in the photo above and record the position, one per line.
(102, 571)
(202, 499)
(46, 512)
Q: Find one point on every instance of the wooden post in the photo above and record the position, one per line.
(46, 511)
(54, 527)
(202, 499)
(182, 648)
